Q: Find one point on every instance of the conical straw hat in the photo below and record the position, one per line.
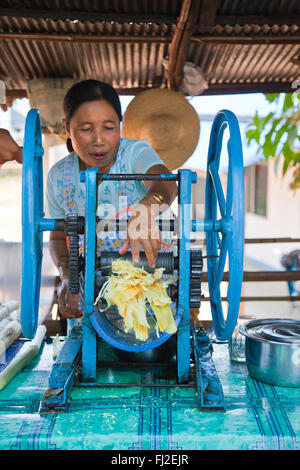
(167, 121)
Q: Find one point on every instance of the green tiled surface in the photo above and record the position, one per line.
(258, 416)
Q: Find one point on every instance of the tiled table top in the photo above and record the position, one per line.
(258, 416)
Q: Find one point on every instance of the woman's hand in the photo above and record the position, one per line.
(9, 149)
(142, 229)
(69, 304)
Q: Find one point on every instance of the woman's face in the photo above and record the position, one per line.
(94, 130)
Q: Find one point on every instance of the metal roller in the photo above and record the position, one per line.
(164, 260)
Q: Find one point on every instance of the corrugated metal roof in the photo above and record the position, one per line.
(257, 7)
(231, 54)
(238, 64)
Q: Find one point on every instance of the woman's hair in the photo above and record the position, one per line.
(89, 90)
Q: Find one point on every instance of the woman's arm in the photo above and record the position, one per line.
(68, 303)
(142, 228)
(167, 189)
(9, 149)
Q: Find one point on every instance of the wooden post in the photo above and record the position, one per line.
(180, 42)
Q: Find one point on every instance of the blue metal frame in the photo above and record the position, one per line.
(63, 372)
(209, 388)
(83, 345)
(89, 339)
(186, 178)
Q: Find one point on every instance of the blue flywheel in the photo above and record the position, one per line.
(32, 210)
(226, 209)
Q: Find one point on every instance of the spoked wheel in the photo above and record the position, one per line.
(226, 239)
(32, 209)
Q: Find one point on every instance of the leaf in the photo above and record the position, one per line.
(293, 132)
(269, 148)
(272, 97)
(278, 135)
(288, 157)
(265, 120)
(256, 120)
(253, 134)
(288, 102)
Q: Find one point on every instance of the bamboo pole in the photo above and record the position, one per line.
(262, 276)
(180, 42)
(200, 39)
(261, 299)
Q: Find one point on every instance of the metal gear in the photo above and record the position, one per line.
(72, 232)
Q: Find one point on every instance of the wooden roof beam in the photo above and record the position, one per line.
(207, 16)
(213, 89)
(204, 39)
(180, 42)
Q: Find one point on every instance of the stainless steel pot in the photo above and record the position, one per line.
(273, 350)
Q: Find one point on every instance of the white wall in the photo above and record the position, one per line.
(282, 220)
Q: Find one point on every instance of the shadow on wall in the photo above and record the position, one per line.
(10, 273)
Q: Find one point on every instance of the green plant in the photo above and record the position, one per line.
(278, 133)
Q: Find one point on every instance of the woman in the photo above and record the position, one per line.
(92, 121)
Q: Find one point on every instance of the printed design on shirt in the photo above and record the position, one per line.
(106, 205)
(69, 193)
(100, 243)
(60, 200)
(60, 166)
(106, 190)
(68, 186)
(106, 210)
(116, 185)
(100, 246)
(134, 201)
(81, 194)
(116, 244)
(130, 186)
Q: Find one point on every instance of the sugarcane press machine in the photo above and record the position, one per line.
(223, 225)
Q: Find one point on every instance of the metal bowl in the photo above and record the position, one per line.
(273, 350)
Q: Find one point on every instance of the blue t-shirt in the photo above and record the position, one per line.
(65, 191)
